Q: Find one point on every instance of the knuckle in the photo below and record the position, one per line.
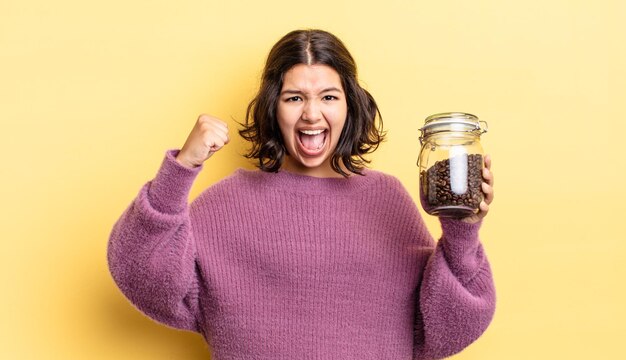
(205, 127)
(208, 119)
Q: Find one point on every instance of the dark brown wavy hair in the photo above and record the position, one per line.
(361, 134)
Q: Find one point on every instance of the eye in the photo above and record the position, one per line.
(329, 97)
(293, 98)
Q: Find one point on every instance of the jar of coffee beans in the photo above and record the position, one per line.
(450, 164)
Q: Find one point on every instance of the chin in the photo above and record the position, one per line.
(316, 166)
(314, 163)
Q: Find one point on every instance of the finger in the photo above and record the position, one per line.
(216, 146)
(223, 136)
(484, 209)
(220, 125)
(214, 141)
(488, 193)
(214, 127)
(488, 161)
(212, 122)
(488, 176)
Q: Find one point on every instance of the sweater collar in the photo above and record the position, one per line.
(285, 181)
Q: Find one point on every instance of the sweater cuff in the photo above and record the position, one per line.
(169, 190)
(460, 237)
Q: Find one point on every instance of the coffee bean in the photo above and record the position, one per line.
(439, 193)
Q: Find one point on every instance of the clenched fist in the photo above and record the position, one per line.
(208, 136)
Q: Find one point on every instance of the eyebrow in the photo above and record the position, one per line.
(290, 91)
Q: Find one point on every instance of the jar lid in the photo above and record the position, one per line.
(453, 121)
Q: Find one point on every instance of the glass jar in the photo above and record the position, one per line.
(451, 164)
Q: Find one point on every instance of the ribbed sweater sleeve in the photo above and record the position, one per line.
(457, 295)
(151, 250)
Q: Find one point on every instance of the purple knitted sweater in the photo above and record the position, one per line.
(285, 266)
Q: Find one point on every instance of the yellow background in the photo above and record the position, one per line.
(93, 93)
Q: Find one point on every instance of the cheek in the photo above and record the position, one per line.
(287, 115)
(341, 112)
(337, 118)
(281, 116)
(284, 131)
(285, 126)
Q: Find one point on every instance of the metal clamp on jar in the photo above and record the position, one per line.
(451, 164)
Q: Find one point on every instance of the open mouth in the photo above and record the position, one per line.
(312, 141)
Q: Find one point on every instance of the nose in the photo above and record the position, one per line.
(311, 112)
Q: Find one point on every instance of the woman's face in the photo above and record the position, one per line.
(312, 111)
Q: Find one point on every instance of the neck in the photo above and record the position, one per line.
(323, 171)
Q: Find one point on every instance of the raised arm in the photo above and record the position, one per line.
(151, 253)
(151, 249)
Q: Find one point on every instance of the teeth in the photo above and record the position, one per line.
(312, 132)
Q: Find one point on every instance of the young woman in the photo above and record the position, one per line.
(313, 256)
